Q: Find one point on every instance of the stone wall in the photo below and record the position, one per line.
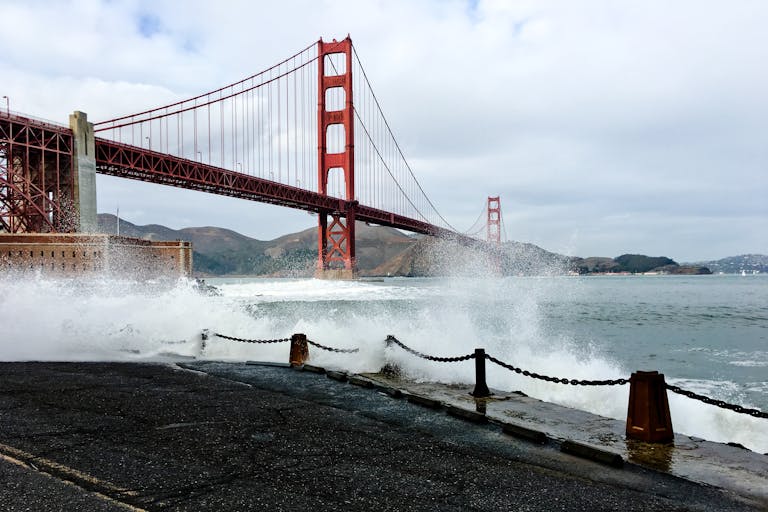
(70, 255)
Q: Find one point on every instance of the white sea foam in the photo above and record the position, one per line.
(735, 357)
(128, 321)
(751, 364)
(715, 424)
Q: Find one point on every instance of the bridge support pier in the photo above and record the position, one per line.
(336, 274)
(336, 246)
(84, 172)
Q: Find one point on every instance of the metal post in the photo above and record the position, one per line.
(481, 388)
(390, 369)
(648, 416)
(299, 350)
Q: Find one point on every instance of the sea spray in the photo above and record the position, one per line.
(512, 318)
(103, 319)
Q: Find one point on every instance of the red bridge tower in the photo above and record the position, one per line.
(494, 219)
(336, 242)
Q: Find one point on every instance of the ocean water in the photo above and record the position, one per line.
(708, 334)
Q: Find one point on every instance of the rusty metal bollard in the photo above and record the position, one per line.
(481, 388)
(648, 416)
(299, 350)
(390, 369)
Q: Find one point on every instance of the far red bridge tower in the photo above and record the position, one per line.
(494, 220)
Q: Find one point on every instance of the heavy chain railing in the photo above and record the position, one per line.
(243, 340)
(556, 380)
(283, 340)
(579, 382)
(718, 403)
(331, 349)
(391, 339)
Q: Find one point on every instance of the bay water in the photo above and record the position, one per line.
(708, 334)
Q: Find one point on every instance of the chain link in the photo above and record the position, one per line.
(331, 349)
(243, 340)
(572, 382)
(397, 342)
(719, 403)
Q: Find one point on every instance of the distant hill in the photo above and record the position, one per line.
(383, 251)
(219, 251)
(634, 264)
(749, 263)
(432, 257)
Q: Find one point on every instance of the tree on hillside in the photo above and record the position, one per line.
(641, 263)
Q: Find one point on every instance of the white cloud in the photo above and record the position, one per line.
(576, 113)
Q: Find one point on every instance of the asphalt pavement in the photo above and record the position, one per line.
(235, 436)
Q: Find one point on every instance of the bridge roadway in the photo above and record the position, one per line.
(127, 161)
(236, 436)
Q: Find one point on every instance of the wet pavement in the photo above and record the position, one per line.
(237, 436)
(737, 469)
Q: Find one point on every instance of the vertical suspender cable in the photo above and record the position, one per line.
(287, 132)
(303, 135)
(269, 125)
(221, 129)
(246, 136)
(234, 130)
(295, 125)
(209, 128)
(280, 129)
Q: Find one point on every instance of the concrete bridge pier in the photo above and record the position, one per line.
(84, 172)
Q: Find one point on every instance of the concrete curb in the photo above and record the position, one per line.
(424, 401)
(524, 433)
(339, 376)
(268, 363)
(360, 381)
(393, 392)
(592, 453)
(466, 414)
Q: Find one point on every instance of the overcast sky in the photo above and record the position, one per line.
(606, 127)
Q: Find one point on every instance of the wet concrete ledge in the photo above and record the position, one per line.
(236, 436)
(601, 439)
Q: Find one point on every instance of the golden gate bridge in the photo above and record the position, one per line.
(307, 133)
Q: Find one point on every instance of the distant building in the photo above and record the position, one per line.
(75, 254)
